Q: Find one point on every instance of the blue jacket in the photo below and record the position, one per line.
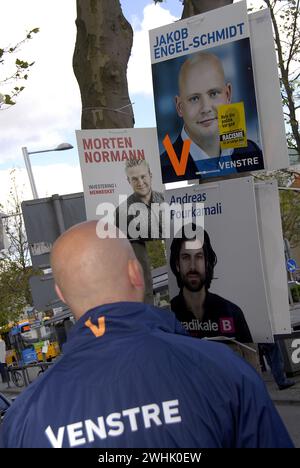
(130, 377)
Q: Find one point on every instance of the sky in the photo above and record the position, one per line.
(48, 111)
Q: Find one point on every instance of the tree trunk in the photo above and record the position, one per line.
(102, 50)
(195, 7)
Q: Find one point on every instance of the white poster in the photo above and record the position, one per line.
(219, 290)
(216, 90)
(122, 178)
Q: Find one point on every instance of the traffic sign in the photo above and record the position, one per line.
(291, 265)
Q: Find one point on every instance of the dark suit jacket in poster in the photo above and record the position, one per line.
(169, 174)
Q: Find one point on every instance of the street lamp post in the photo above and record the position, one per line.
(26, 154)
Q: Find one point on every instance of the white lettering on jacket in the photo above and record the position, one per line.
(114, 424)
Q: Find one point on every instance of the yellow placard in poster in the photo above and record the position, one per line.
(232, 125)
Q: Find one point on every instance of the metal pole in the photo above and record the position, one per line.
(59, 213)
(29, 172)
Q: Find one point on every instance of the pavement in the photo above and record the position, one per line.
(12, 391)
(290, 395)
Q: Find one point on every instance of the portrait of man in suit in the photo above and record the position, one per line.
(202, 88)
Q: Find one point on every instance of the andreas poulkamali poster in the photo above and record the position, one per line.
(122, 178)
(205, 100)
(219, 289)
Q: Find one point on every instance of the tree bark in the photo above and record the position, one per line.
(195, 7)
(102, 50)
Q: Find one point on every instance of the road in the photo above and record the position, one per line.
(290, 414)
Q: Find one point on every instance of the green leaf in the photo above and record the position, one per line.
(22, 63)
(8, 101)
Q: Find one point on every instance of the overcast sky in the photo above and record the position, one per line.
(48, 111)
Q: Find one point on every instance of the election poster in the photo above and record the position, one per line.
(205, 101)
(122, 179)
(218, 287)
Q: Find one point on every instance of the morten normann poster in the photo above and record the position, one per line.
(204, 92)
(122, 180)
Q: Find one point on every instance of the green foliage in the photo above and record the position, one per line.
(295, 291)
(19, 72)
(14, 290)
(156, 252)
(15, 268)
(290, 216)
(8, 100)
(289, 202)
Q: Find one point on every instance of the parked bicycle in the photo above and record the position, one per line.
(16, 377)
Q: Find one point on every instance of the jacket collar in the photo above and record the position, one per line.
(112, 321)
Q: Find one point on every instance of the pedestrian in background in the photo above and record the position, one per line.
(274, 357)
(3, 370)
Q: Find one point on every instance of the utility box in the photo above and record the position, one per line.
(45, 219)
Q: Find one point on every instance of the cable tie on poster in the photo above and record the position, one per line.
(119, 109)
(231, 340)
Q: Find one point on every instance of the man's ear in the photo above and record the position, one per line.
(178, 105)
(228, 92)
(59, 293)
(135, 274)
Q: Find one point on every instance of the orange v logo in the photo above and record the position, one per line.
(97, 331)
(179, 165)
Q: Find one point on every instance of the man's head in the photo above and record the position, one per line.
(89, 271)
(202, 89)
(139, 177)
(192, 261)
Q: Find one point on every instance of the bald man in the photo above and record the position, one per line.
(202, 89)
(129, 376)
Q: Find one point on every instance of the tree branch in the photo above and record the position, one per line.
(294, 32)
